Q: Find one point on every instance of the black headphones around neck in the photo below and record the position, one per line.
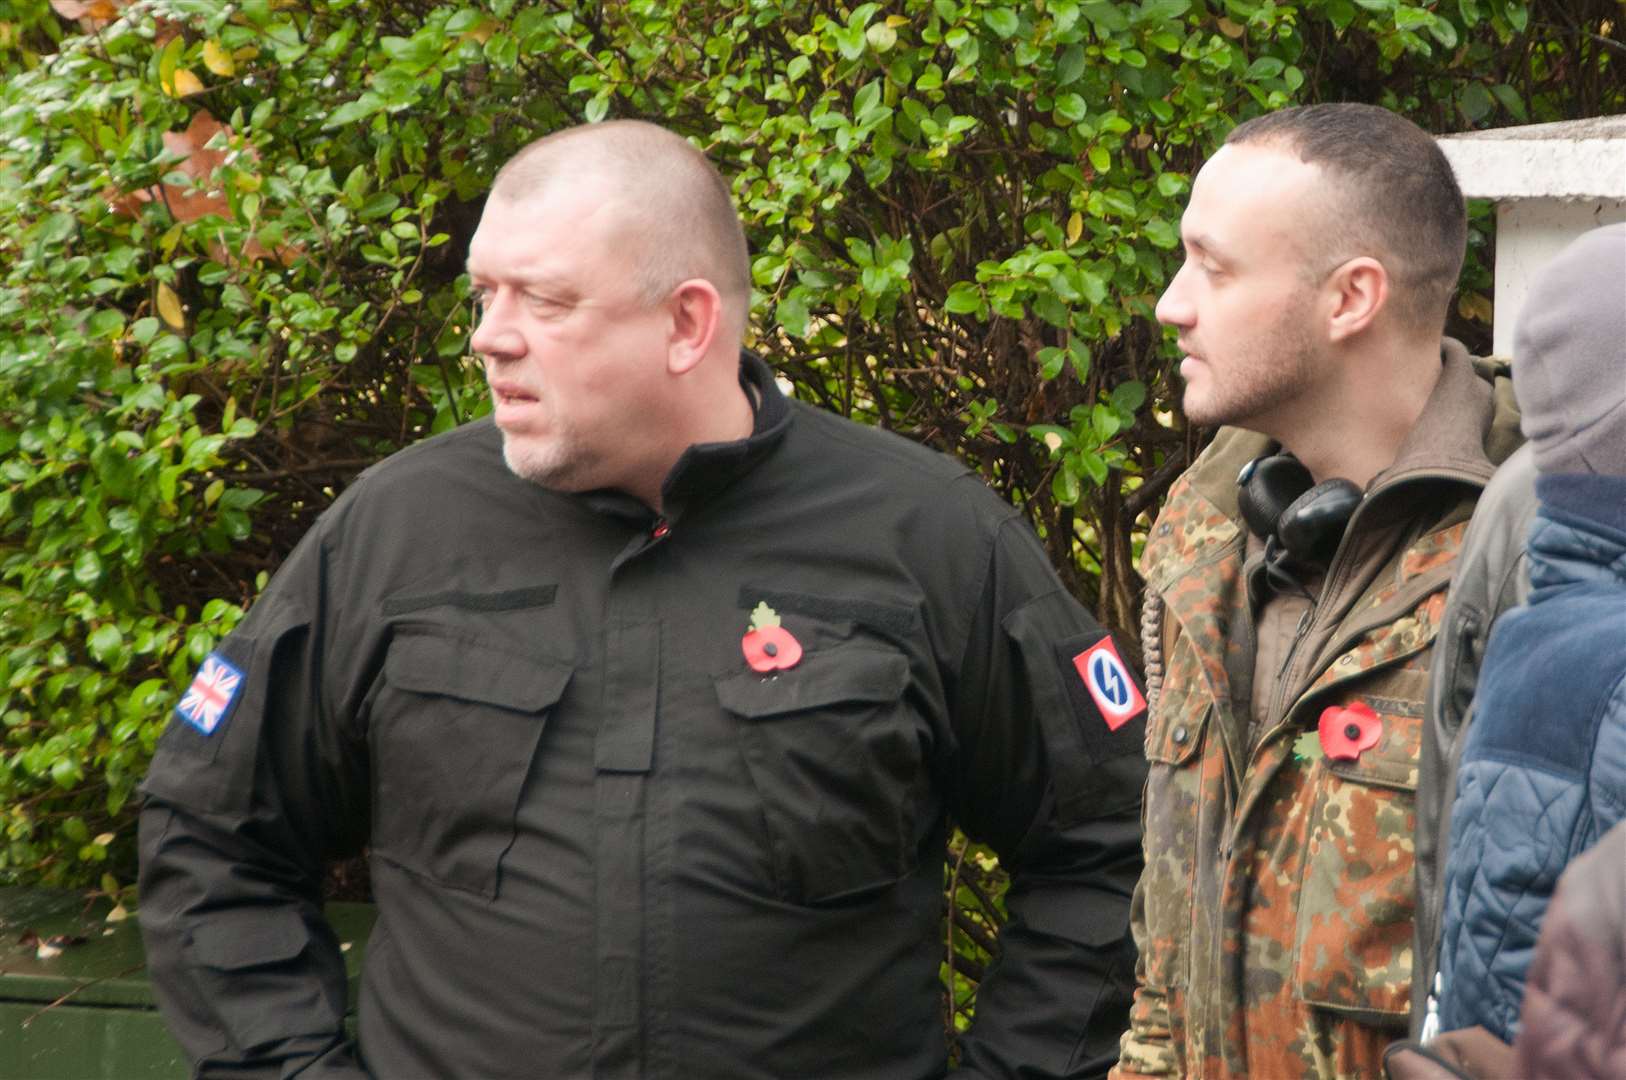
(1300, 520)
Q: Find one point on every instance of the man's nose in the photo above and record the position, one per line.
(1174, 307)
(495, 336)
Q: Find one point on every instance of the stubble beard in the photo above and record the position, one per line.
(1266, 377)
(555, 463)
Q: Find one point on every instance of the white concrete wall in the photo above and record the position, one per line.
(1529, 232)
(1550, 183)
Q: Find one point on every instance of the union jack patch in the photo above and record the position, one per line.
(211, 694)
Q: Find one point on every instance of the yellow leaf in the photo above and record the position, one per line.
(218, 60)
(169, 307)
(1476, 306)
(895, 21)
(481, 31)
(186, 83)
(1075, 227)
(1230, 29)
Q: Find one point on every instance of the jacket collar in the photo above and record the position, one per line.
(1452, 432)
(1466, 428)
(705, 469)
(1579, 534)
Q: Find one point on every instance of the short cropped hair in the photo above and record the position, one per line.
(681, 215)
(1392, 195)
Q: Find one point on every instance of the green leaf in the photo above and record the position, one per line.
(1002, 21)
(1071, 107)
(792, 315)
(1064, 487)
(1266, 67)
(87, 569)
(104, 643)
(963, 298)
(1129, 396)
(881, 37)
(1070, 65)
(352, 111)
(1476, 102)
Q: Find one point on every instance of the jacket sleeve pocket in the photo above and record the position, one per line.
(246, 959)
(1353, 940)
(835, 759)
(454, 729)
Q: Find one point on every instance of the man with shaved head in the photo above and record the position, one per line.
(1295, 584)
(652, 698)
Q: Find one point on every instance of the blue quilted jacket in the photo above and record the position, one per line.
(1543, 773)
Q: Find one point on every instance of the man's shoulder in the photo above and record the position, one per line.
(889, 466)
(1561, 657)
(1200, 515)
(463, 463)
(878, 447)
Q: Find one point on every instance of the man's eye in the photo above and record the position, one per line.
(543, 305)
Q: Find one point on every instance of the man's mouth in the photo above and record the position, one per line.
(508, 394)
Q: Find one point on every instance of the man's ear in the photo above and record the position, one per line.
(1359, 289)
(697, 312)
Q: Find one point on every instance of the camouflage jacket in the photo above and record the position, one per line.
(1274, 917)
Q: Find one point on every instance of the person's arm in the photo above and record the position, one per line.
(1490, 577)
(1147, 1048)
(242, 805)
(1054, 785)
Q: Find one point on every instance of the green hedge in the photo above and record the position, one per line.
(231, 241)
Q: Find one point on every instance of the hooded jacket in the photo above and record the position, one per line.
(1274, 918)
(1543, 773)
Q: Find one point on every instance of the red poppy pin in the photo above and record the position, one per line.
(1347, 731)
(767, 645)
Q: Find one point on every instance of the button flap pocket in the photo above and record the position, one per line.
(236, 939)
(1392, 761)
(433, 661)
(1175, 729)
(850, 674)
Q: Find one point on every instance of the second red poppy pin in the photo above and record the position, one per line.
(1348, 731)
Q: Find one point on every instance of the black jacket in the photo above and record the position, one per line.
(602, 845)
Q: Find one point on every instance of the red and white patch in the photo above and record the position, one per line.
(1109, 683)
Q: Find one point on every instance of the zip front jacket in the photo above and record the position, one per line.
(1274, 919)
(619, 824)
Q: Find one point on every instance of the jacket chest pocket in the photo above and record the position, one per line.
(453, 733)
(836, 762)
(1353, 940)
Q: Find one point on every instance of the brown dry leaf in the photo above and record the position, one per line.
(169, 307)
(204, 196)
(91, 14)
(1231, 29)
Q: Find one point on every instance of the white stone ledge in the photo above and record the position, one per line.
(1572, 159)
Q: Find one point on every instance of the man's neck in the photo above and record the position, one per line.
(1359, 428)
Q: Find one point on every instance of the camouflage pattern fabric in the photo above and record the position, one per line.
(1274, 918)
